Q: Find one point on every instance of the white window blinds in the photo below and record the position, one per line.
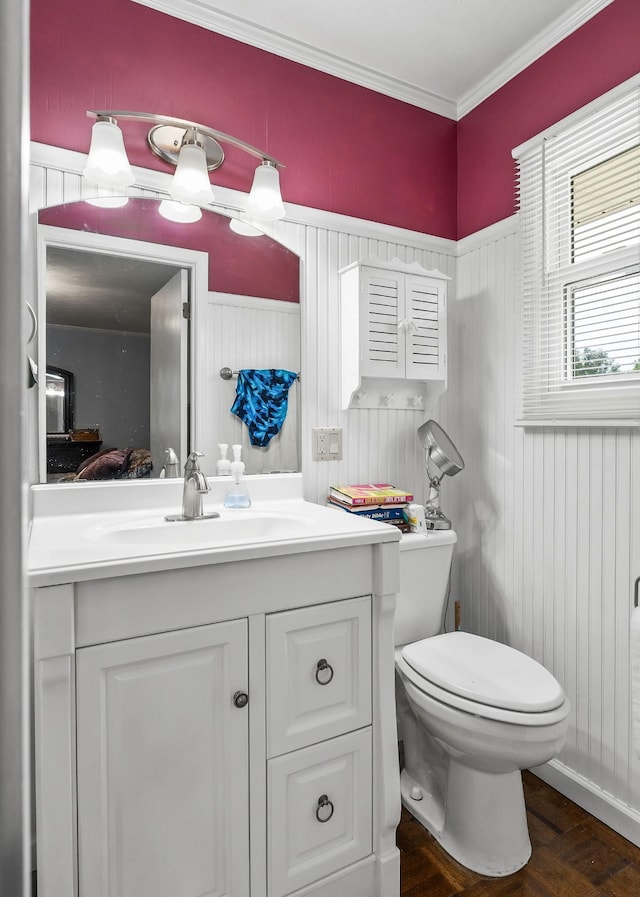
(579, 204)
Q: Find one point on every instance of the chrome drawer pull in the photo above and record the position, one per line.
(241, 699)
(324, 672)
(324, 810)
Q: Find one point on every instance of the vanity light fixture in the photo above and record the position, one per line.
(193, 148)
(180, 212)
(108, 202)
(107, 163)
(265, 201)
(245, 228)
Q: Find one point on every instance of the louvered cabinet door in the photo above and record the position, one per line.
(425, 328)
(382, 313)
(163, 765)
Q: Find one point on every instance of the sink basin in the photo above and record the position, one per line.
(231, 527)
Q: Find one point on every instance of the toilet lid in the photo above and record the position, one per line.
(484, 671)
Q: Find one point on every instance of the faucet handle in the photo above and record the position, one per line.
(192, 461)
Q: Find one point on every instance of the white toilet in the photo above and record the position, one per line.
(472, 713)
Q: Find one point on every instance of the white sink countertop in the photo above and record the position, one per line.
(84, 531)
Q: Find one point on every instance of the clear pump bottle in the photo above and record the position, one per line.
(237, 495)
(223, 467)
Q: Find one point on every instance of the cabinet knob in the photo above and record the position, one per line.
(324, 810)
(241, 699)
(324, 672)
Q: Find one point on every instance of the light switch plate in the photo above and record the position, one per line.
(326, 443)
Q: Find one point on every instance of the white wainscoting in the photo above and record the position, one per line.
(549, 526)
(246, 332)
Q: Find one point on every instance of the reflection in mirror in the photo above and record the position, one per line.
(143, 312)
(60, 398)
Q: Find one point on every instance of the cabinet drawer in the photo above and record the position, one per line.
(318, 673)
(319, 809)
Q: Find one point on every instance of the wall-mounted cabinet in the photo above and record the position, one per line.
(393, 334)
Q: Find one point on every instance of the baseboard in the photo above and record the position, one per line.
(604, 806)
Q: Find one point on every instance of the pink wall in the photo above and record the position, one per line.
(598, 56)
(245, 266)
(347, 149)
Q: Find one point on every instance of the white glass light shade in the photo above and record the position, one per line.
(179, 211)
(108, 202)
(245, 229)
(190, 183)
(265, 201)
(107, 163)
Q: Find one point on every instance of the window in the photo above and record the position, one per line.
(580, 227)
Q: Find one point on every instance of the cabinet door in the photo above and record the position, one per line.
(425, 328)
(163, 765)
(319, 811)
(318, 673)
(382, 338)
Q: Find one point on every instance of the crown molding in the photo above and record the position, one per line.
(199, 13)
(579, 13)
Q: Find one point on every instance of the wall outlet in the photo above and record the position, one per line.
(326, 443)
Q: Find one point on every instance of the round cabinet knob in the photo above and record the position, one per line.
(241, 699)
(324, 810)
(324, 672)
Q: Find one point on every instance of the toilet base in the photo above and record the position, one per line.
(483, 824)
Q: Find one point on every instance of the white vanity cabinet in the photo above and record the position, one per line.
(224, 729)
(393, 328)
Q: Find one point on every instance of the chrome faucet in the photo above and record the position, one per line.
(195, 486)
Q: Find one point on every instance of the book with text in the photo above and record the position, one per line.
(374, 512)
(370, 494)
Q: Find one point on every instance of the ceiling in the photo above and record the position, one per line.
(103, 292)
(442, 55)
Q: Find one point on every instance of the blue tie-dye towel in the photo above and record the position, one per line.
(261, 402)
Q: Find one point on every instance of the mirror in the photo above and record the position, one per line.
(141, 314)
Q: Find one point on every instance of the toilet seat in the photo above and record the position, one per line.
(483, 677)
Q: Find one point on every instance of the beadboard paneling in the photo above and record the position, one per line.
(549, 527)
(245, 332)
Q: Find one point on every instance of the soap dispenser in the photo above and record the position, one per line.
(237, 495)
(223, 467)
(171, 465)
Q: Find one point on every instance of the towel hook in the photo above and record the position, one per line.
(635, 591)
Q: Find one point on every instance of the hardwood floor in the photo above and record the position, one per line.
(574, 855)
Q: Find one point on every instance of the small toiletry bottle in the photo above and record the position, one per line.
(415, 518)
(237, 495)
(223, 467)
(171, 467)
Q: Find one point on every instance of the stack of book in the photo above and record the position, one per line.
(378, 501)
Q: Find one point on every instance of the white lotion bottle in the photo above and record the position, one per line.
(223, 467)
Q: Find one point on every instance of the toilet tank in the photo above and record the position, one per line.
(425, 561)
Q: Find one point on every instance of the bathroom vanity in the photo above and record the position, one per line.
(214, 707)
